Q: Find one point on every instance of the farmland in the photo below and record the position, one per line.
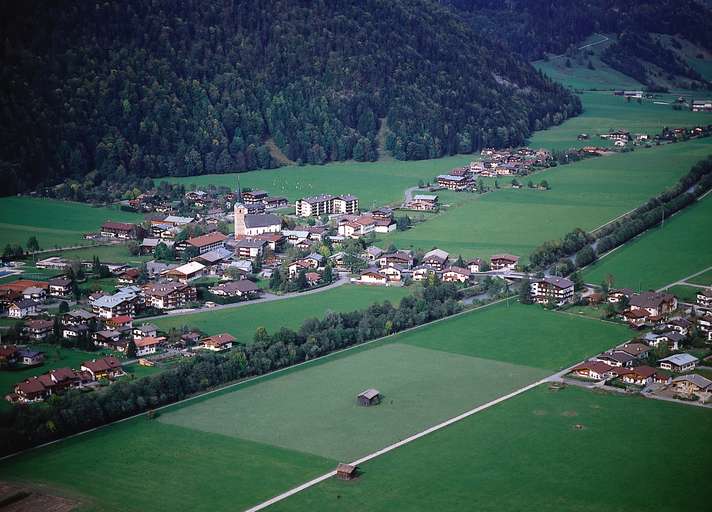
(661, 255)
(472, 465)
(585, 194)
(272, 433)
(242, 321)
(54, 223)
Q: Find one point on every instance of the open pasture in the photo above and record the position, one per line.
(54, 223)
(584, 194)
(528, 454)
(266, 436)
(661, 255)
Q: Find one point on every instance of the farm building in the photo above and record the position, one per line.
(369, 397)
(346, 471)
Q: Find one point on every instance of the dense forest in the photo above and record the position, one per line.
(111, 91)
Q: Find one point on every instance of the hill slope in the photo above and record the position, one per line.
(123, 90)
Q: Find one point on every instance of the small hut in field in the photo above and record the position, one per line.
(346, 471)
(369, 397)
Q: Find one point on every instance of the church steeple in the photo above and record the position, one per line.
(239, 190)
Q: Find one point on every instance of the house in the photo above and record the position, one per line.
(105, 368)
(616, 296)
(369, 397)
(77, 317)
(186, 273)
(60, 287)
(275, 202)
(451, 182)
(241, 288)
(275, 241)
(635, 318)
(435, 259)
(75, 331)
(29, 357)
(679, 363)
(672, 340)
(326, 204)
(595, 370)
(692, 384)
(119, 323)
(701, 105)
(129, 276)
(312, 278)
(356, 227)
(31, 390)
(615, 358)
(423, 202)
(503, 262)
(38, 329)
(383, 213)
(218, 343)
(144, 331)
(35, 293)
(704, 299)
(679, 325)
(121, 303)
(22, 308)
(169, 295)
(346, 471)
(254, 196)
(107, 338)
(655, 303)
(120, 230)
(148, 345)
(421, 273)
(253, 224)
(206, 243)
(214, 257)
(250, 248)
(637, 350)
(456, 275)
(475, 265)
(403, 259)
(243, 266)
(394, 273)
(373, 253)
(639, 375)
(371, 277)
(557, 290)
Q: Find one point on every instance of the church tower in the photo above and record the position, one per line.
(240, 225)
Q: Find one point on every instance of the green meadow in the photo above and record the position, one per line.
(54, 223)
(661, 255)
(242, 321)
(270, 434)
(705, 279)
(542, 450)
(584, 194)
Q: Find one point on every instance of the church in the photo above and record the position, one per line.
(252, 224)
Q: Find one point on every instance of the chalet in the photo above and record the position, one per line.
(679, 363)
(356, 227)
(75, 331)
(661, 378)
(275, 241)
(595, 370)
(120, 230)
(22, 308)
(639, 375)
(382, 213)
(692, 384)
(38, 329)
(148, 345)
(421, 273)
(503, 262)
(169, 295)
(206, 243)
(557, 290)
(635, 317)
(671, 340)
(373, 253)
(451, 182)
(456, 275)
(295, 235)
(423, 202)
(129, 276)
(704, 299)
(371, 277)
(105, 368)
(254, 196)
(214, 258)
(385, 225)
(619, 135)
(403, 259)
(77, 317)
(394, 273)
(106, 338)
(54, 263)
(312, 278)
(186, 273)
(144, 331)
(119, 323)
(615, 358)
(326, 204)
(241, 288)
(255, 208)
(243, 266)
(435, 259)
(60, 287)
(656, 304)
(121, 303)
(31, 390)
(29, 357)
(346, 471)
(369, 397)
(475, 265)
(296, 267)
(680, 325)
(616, 296)
(272, 203)
(250, 248)
(177, 221)
(218, 343)
(34, 293)
(637, 350)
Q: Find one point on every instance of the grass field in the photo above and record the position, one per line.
(662, 255)
(705, 279)
(585, 194)
(54, 223)
(526, 454)
(684, 293)
(115, 253)
(242, 321)
(375, 183)
(262, 438)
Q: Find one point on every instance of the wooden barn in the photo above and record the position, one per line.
(346, 471)
(369, 397)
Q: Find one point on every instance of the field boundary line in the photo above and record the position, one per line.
(250, 379)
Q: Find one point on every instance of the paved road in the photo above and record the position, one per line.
(682, 281)
(342, 280)
(408, 193)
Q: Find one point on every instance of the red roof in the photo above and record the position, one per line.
(209, 239)
(120, 320)
(102, 365)
(218, 340)
(595, 366)
(31, 386)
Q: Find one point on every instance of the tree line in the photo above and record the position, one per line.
(74, 411)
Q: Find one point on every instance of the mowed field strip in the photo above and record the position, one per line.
(535, 452)
(585, 194)
(53, 222)
(662, 255)
(289, 312)
(277, 432)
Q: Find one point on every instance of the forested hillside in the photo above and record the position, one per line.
(117, 91)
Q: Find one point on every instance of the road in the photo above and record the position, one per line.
(682, 281)
(342, 280)
(408, 193)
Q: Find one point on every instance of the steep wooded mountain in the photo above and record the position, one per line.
(119, 91)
